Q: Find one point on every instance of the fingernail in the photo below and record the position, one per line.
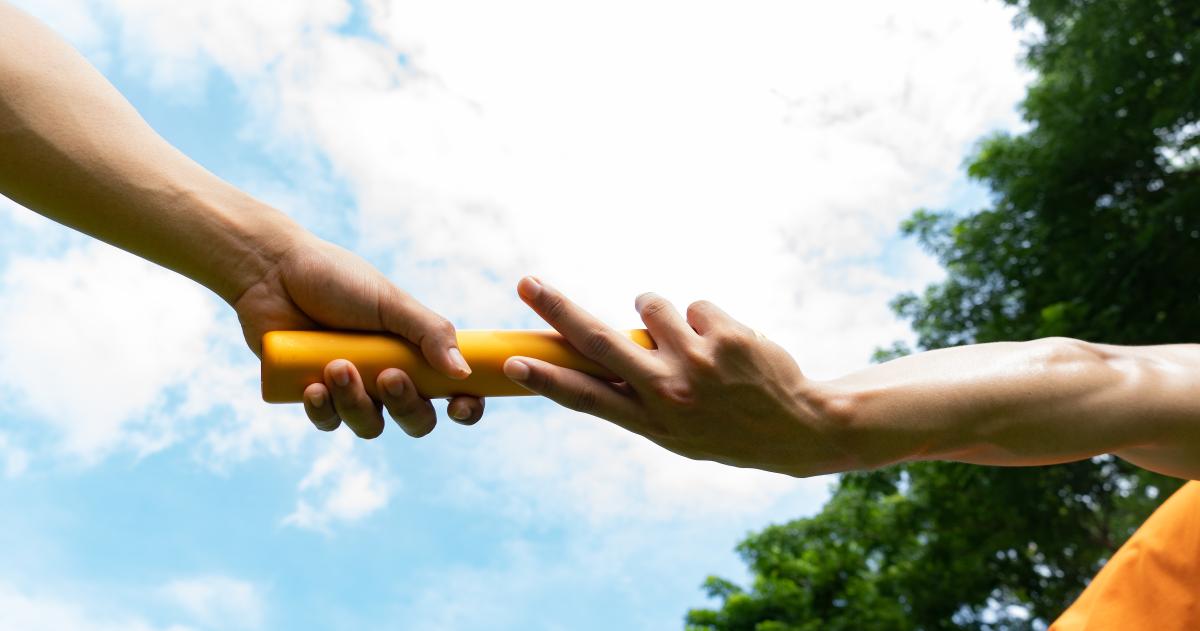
(341, 373)
(317, 400)
(516, 370)
(530, 287)
(459, 361)
(395, 386)
(458, 412)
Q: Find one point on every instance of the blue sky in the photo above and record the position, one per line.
(760, 156)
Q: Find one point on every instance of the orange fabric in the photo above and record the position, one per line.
(1153, 581)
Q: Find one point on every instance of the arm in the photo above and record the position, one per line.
(73, 149)
(716, 390)
(1029, 403)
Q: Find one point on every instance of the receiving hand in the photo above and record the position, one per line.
(712, 390)
(316, 285)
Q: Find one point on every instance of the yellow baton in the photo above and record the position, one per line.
(291, 360)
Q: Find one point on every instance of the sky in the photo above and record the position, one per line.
(757, 154)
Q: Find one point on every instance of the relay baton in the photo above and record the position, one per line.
(291, 360)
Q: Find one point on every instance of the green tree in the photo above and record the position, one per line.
(1093, 232)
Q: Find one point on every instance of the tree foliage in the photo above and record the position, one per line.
(1093, 232)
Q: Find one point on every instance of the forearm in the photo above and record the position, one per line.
(73, 149)
(1041, 402)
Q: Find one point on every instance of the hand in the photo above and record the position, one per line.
(314, 284)
(713, 390)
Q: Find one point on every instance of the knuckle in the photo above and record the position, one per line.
(554, 306)
(403, 404)
(397, 412)
(740, 333)
(597, 344)
(393, 403)
(538, 381)
(358, 411)
(674, 391)
(415, 422)
(700, 357)
(351, 418)
(654, 306)
(442, 328)
(404, 411)
(662, 432)
(699, 307)
(583, 401)
(732, 339)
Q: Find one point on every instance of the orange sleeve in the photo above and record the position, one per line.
(1153, 581)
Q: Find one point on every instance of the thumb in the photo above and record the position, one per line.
(400, 313)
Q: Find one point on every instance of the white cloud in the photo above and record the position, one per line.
(752, 154)
(218, 602)
(25, 610)
(539, 582)
(464, 597)
(339, 487)
(237, 426)
(13, 459)
(92, 340)
(211, 601)
(115, 354)
(543, 463)
(757, 154)
(242, 38)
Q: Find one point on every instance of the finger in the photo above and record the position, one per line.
(574, 390)
(413, 413)
(596, 340)
(465, 410)
(666, 326)
(351, 400)
(319, 408)
(704, 317)
(435, 335)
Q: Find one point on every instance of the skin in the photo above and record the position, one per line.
(73, 149)
(715, 389)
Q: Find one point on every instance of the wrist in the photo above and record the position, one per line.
(840, 414)
(861, 420)
(249, 240)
